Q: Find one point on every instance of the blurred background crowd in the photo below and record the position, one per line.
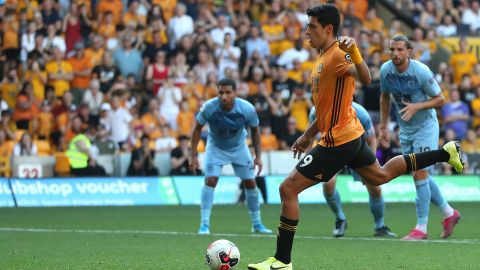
(135, 72)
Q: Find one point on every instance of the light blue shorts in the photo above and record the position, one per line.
(239, 157)
(425, 139)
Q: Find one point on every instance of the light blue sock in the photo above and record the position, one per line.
(437, 197)
(253, 203)
(206, 204)
(422, 201)
(377, 207)
(335, 204)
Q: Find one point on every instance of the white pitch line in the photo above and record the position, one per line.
(91, 231)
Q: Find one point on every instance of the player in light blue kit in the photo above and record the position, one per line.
(416, 94)
(375, 201)
(228, 117)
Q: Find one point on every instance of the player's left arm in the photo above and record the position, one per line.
(256, 146)
(359, 69)
(253, 122)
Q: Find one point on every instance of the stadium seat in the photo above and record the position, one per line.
(43, 147)
(62, 164)
(5, 169)
(18, 134)
(201, 146)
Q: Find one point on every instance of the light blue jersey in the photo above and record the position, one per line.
(362, 115)
(227, 130)
(226, 137)
(416, 84)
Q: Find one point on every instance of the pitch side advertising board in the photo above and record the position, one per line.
(402, 189)
(94, 191)
(186, 190)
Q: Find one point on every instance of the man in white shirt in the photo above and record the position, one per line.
(218, 33)
(227, 56)
(181, 24)
(471, 16)
(119, 120)
(288, 56)
(256, 42)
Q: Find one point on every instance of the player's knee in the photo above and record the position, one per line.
(374, 191)
(420, 175)
(378, 179)
(249, 184)
(211, 181)
(328, 189)
(286, 190)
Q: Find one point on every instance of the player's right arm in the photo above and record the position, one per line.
(384, 107)
(384, 118)
(197, 130)
(303, 142)
(200, 121)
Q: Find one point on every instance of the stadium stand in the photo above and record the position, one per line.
(161, 59)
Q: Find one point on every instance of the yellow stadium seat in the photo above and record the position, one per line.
(43, 147)
(5, 169)
(201, 146)
(62, 164)
(18, 134)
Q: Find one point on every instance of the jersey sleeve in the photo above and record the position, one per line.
(430, 85)
(251, 115)
(202, 116)
(343, 63)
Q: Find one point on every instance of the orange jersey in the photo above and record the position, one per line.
(332, 91)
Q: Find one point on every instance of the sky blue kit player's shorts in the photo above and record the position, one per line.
(239, 157)
(425, 139)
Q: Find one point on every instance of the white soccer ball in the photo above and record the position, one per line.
(222, 255)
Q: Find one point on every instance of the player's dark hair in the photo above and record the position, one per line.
(399, 37)
(227, 82)
(326, 14)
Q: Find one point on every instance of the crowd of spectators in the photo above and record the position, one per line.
(137, 71)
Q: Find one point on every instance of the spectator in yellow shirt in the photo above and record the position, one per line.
(476, 75)
(115, 7)
(151, 120)
(106, 27)
(185, 119)
(274, 33)
(296, 73)
(372, 22)
(43, 124)
(60, 73)
(96, 50)
(268, 141)
(10, 37)
(132, 17)
(37, 77)
(475, 106)
(82, 69)
(10, 86)
(300, 104)
(462, 62)
(471, 144)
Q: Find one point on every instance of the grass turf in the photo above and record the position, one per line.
(165, 238)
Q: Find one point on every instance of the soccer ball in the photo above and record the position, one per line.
(222, 255)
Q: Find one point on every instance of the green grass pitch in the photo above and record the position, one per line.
(165, 238)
